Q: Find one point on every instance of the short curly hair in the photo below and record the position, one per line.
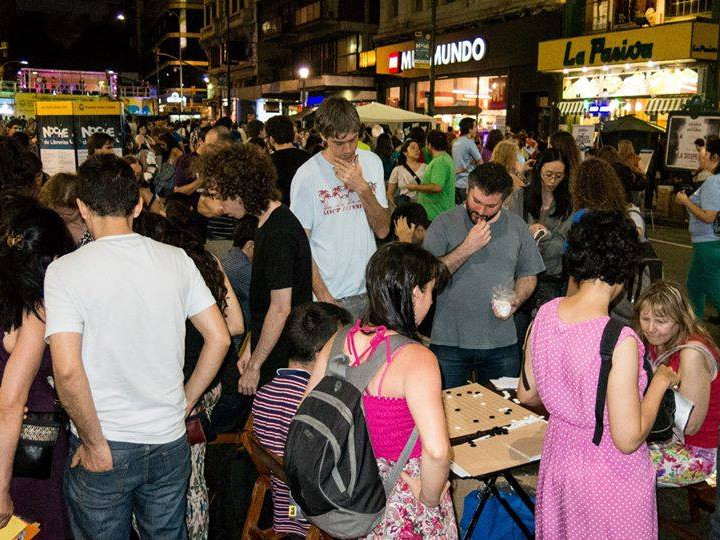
(603, 245)
(596, 186)
(240, 171)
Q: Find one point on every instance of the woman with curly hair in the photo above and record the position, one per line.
(31, 237)
(240, 180)
(591, 486)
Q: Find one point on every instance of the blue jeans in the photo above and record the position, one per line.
(457, 365)
(148, 480)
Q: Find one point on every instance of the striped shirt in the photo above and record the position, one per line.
(274, 407)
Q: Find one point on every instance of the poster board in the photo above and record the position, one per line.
(17, 528)
(584, 136)
(646, 156)
(94, 117)
(472, 408)
(56, 136)
(682, 132)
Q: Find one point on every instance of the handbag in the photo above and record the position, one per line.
(662, 429)
(198, 427)
(34, 454)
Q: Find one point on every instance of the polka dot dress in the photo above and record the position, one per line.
(585, 491)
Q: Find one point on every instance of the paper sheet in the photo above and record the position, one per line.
(683, 409)
(505, 383)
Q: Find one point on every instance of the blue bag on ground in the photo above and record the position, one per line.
(494, 521)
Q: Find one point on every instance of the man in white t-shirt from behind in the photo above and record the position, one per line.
(115, 319)
(339, 197)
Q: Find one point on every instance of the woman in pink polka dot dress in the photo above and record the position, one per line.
(584, 490)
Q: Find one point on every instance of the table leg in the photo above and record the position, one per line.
(519, 490)
(489, 484)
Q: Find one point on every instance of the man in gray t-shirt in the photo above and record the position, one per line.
(484, 248)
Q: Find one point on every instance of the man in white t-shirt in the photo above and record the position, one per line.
(339, 197)
(115, 320)
(466, 155)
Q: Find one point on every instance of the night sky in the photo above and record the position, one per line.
(73, 34)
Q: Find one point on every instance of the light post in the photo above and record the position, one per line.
(303, 73)
(182, 104)
(2, 67)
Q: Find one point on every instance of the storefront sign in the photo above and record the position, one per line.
(456, 52)
(683, 131)
(677, 41)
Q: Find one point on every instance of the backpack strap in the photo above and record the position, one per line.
(612, 331)
(392, 478)
(338, 361)
(360, 376)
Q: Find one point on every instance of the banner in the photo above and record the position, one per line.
(56, 137)
(683, 131)
(97, 117)
(584, 136)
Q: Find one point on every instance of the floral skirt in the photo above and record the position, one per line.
(406, 518)
(677, 464)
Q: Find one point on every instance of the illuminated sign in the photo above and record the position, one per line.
(445, 54)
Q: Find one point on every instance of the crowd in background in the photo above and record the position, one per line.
(201, 276)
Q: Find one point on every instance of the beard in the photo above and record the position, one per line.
(477, 216)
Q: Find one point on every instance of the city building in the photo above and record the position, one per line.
(485, 59)
(174, 60)
(645, 58)
(271, 41)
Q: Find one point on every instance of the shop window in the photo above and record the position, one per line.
(682, 8)
(489, 93)
(598, 15)
(394, 8)
(393, 96)
(307, 14)
(271, 26)
(367, 59)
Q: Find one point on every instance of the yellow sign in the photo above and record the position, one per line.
(96, 107)
(54, 108)
(677, 41)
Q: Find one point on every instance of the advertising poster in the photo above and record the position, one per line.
(584, 136)
(95, 117)
(683, 131)
(56, 137)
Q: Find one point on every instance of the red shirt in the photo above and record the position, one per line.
(707, 437)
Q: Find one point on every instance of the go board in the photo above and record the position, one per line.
(472, 408)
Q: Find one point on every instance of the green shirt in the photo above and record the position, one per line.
(441, 172)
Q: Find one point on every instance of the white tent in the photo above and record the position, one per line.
(377, 113)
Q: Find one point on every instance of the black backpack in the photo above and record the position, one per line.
(662, 429)
(329, 461)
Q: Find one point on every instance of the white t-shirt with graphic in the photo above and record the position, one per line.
(341, 239)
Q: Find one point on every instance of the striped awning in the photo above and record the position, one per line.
(570, 107)
(666, 104)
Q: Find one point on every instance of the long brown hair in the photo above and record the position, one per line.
(667, 299)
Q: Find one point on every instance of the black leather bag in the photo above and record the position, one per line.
(34, 454)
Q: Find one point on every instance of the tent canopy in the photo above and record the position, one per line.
(630, 123)
(377, 113)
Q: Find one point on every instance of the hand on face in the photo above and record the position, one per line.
(350, 174)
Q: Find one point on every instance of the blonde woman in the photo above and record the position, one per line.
(667, 324)
(505, 153)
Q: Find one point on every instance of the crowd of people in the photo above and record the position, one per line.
(203, 278)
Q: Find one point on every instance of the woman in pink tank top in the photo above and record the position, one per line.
(405, 393)
(666, 321)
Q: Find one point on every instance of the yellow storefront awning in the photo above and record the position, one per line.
(571, 107)
(665, 104)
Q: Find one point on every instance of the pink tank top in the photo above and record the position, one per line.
(388, 419)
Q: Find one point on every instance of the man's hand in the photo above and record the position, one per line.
(6, 508)
(94, 460)
(350, 174)
(514, 305)
(403, 231)
(682, 198)
(479, 236)
(244, 359)
(248, 382)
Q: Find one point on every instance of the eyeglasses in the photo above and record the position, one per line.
(549, 175)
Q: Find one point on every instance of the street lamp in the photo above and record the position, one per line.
(120, 17)
(303, 73)
(182, 104)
